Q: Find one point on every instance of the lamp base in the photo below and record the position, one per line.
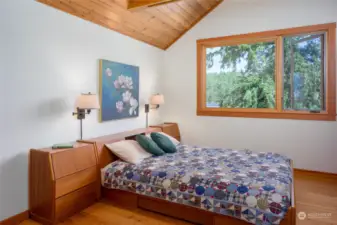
(80, 116)
(147, 110)
(81, 128)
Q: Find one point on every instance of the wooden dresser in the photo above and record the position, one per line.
(62, 182)
(171, 129)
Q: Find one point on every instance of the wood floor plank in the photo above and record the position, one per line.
(315, 195)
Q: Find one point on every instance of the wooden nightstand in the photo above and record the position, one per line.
(171, 129)
(62, 182)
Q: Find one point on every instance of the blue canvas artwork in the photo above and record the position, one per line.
(119, 90)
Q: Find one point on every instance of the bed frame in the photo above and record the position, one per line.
(184, 212)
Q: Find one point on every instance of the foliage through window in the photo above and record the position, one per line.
(241, 76)
(286, 73)
(304, 72)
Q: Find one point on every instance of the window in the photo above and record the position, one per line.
(304, 72)
(287, 73)
(241, 76)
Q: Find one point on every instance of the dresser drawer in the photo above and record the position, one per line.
(72, 161)
(75, 181)
(74, 202)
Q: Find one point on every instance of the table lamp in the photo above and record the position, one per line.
(84, 104)
(155, 102)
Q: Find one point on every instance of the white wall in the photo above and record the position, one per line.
(47, 58)
(312, 144)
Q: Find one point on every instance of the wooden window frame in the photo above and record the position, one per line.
(278, 113)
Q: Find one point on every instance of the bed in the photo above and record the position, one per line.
(202, 185)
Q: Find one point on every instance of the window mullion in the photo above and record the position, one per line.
(279, 73)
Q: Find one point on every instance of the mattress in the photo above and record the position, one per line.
(254, 187)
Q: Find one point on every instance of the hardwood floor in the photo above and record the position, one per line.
(315, 195)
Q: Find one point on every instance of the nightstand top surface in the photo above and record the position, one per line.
(49, 149)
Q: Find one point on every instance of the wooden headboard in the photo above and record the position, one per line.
(104, 155)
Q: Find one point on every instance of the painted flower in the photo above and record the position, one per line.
(119, 106)
(119, 83)
(121, 79)
(134, 105)
(116, 84)
(123, 82)
(126, 96)
(108, 72)
(128, 82)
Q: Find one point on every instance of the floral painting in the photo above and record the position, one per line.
(119, 90)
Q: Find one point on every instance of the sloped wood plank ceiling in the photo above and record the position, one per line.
(159, 25)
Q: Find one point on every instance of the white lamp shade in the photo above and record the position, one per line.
(157, 99)
(87, 101)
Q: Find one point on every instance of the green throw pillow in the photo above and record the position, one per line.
(149, 145)
(164, 142)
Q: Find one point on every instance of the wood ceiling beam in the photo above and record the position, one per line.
(134, 4)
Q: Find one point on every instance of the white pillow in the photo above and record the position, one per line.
(174, 141)
(129, 151)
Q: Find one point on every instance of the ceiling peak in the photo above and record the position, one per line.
(159, 26)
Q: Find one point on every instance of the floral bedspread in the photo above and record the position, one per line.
(255, 187)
